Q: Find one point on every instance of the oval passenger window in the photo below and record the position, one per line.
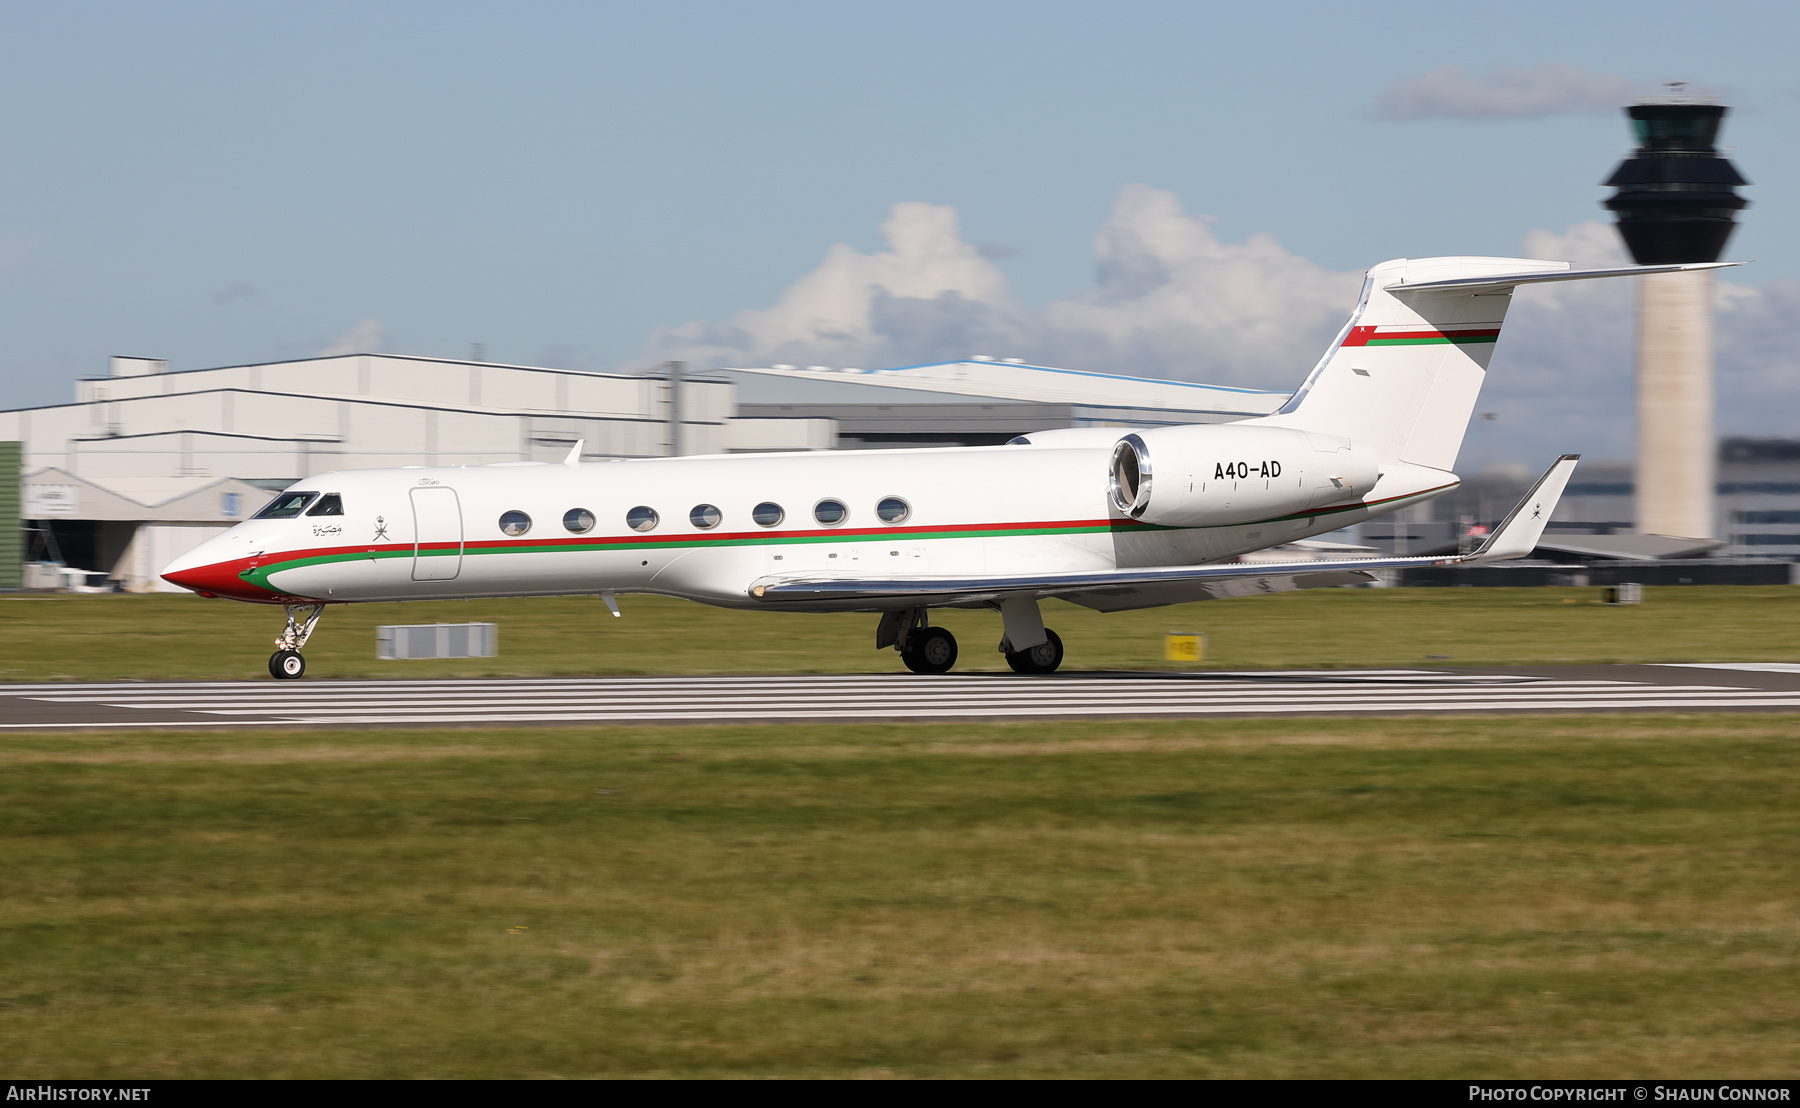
(767, 514)
(578, 520)
(515, 523)
(704, 516)
(641, 518)
(830, 512)
(893, 510)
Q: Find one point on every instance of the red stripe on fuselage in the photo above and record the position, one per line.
(578, 542)
(225, 578)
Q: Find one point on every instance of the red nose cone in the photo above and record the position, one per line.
(220, 579)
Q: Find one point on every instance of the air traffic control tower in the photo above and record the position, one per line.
(1676, 202)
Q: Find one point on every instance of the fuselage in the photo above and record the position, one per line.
(721, 523)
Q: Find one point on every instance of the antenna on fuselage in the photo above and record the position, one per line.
(574, 458)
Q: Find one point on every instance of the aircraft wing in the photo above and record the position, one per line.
(1113, 590)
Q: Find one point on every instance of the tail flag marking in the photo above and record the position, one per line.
(1416, 336)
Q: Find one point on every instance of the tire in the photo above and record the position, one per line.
(1042, 658)
(932, 650)
(287, 665)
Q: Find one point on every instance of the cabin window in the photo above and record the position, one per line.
(578, 520)
(515, 523)
(705, 517)
(331, 504)
(286, 506)
(892, 509)
(767, 514)
(641, 518)
(830, 512)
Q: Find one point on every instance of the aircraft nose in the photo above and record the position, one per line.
(207, 569)
(193, 578)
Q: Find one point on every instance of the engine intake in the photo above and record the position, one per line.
(1129, 477)
(1230, 473)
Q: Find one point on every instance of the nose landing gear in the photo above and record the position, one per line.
(286, 664)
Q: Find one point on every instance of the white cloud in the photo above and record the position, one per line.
(1506, 92)
(839, 314)
(367, 337)
(1171, 299)
(1591, 242)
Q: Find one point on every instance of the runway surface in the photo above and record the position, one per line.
(51, 707)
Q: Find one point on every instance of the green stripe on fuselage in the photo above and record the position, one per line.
(259, 575)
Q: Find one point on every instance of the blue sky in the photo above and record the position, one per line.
(566, 183)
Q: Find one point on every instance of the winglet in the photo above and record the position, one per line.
(574, 458)
(1519, 532)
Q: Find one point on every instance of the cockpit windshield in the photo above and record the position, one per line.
(286, 506)
(331, 504)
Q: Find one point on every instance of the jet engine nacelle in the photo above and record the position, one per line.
(1231, 473)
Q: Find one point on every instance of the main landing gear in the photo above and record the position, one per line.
(1042, 658)
(932, 650)
(286, 664)
(928, 649)
(924, 648)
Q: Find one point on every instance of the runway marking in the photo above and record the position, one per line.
(870, 697)
(849, 697)
(1747, 667)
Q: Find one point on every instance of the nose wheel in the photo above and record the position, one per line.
(286, 664)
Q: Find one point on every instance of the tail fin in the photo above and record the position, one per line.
(1403, 375)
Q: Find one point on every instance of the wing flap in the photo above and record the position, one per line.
(1122, 589)
(1128, 598)
(978, 588)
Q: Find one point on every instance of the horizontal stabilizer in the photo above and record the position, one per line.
(1497, 282)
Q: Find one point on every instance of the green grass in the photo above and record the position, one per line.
(1500, 897)
(156, 637)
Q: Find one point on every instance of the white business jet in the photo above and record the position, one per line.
(1097, 516)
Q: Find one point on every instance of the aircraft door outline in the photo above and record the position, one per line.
(437, 518)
